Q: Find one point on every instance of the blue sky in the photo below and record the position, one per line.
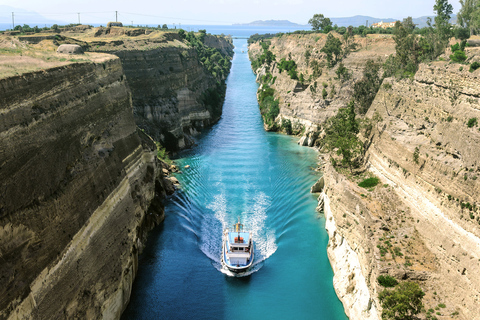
(213, 11)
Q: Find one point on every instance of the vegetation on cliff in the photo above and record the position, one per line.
(216, 63)
(403, 302)
(469, 15)
(341, 137)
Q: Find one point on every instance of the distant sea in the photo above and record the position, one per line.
(233, 30)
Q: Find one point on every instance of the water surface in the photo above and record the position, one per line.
(239, 170)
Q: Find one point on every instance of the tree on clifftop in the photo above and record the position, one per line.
(319, 22)
(443, 9)
(402, 303)
(469, 15)
(333, 50)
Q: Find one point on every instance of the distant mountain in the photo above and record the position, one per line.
(23, 16)
(269, 23)
(422, 21)
(356, 21)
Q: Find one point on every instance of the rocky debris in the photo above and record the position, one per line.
(318, 186)
(174, 180)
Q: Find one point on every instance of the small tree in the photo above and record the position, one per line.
(341, 136)
(342, 72)
(403, 302)
(443, 9)
(365, 89)
(333, 50)
(416, 155)
(319, 22)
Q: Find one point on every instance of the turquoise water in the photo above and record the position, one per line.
(239, 170)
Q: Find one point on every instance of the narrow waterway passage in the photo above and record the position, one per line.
(239, 170)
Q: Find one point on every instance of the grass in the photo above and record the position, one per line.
(369, 182)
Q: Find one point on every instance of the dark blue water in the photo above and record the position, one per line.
(239, 170)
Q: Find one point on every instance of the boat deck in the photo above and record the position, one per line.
(243, 241)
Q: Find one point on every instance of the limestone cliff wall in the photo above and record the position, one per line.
(429, 116)
(169, 84)
(422, 222)
(76, 185)
(349, 247)
(304, 104)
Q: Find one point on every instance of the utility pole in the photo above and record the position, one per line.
(79, 18)
(13, 21)
(116, 16)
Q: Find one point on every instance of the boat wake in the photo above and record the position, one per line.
(254, 216)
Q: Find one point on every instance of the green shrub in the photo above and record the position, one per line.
(416, 155)
(387, 281)
(458, 56)
(287, 126)
(472, 122)
(324, 93)
(369, 183)
(290, 66)
(474, 66)
(403, 302)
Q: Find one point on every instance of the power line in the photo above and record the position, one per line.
(117, 13)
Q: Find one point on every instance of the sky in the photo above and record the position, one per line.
(212, 11)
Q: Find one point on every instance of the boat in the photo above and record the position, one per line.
(238, 249)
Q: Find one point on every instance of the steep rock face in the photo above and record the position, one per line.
(371, 233)
(76, 183)
(304, 104)
(426, 148)
(169, 84)
(348, 246)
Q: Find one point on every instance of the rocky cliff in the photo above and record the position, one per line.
(79, 189)
(427, 148)
(174, 95)
(421, 223)
(304, 103)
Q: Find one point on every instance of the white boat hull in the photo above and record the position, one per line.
(237, 249)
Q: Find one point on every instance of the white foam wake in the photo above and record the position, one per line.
(254, 218)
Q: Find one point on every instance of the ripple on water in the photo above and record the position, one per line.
(239, 170)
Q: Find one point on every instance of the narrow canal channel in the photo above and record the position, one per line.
(239, 170)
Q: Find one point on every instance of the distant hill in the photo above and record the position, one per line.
(422, 21)
(356, 21)
(269, 23)
(23, 16)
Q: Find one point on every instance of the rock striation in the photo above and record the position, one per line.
(80, 186)
(422, 222)
(170, 85)
(427, 147)
(304, 103)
